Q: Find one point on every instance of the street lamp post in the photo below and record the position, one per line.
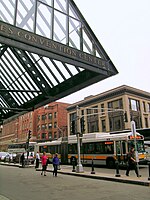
(79, 167)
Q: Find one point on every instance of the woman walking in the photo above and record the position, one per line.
(55, 164)
(44, 162)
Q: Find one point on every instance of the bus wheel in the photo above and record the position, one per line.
(110, 162)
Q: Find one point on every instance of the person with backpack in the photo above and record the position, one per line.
(131, 162)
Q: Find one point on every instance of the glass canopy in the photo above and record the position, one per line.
(47, 51)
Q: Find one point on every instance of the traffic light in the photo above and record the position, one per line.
(73, 127)
(82, 122)
(29, 135)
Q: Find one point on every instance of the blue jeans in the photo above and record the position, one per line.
(55, 169)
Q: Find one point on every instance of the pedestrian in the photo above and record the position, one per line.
(131, 162)
(55, 162)
(44, 162)
(37, 160)
(22, 159)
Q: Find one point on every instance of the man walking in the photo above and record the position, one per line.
(37, 160)
(22, 160)
(132, 162)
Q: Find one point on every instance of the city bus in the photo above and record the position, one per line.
(21, 148)
(50, 147)
(101, 148)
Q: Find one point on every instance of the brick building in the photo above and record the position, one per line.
(46, 123)
(51, 121)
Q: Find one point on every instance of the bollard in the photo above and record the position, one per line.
(117, 169)
(149, 170)
(73, 163)
(92, 172)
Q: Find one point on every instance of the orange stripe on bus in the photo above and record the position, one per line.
(88, 157)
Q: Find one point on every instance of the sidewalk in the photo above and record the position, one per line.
(67, 170)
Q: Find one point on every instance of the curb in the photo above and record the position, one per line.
(106, 178)
(16, 165)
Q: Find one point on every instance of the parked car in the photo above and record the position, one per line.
(3, 155)
(10, 157)
(18, 158)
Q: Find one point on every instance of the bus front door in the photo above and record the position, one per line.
(120, 151)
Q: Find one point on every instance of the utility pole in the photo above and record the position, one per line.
(27, 145)
(79, 167)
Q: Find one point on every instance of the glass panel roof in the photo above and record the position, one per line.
(28, 78)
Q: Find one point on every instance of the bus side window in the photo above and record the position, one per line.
(75, 148)
(69, 148)
(118, 147)
(91, 148)
(123, 147)
(97, 148)
(109, 148)
(85, 148)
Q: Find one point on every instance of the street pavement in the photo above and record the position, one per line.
(102, 173)
(18, 183)
(107, 174)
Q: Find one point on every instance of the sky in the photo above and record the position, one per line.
(123, 29)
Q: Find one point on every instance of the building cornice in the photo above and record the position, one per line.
(121, 90)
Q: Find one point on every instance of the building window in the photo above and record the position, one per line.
(115, 123)
(43, 117)
(89, 111)
(50, 116)
(50, 135)
(148, 107)
(82, 113)
(144, 107)
(110, 124)
(117, 104)
(138, 121)
(92, 119)
(38, 136)
(102, 108)
(49, 125)
(55, 114)
(43, 135)
(55, 135)
(43, 126)
(72, 118)
(146, 122)
(93, 127)
(38, 127)
(134, 105)
(55, 124)
(95, 109)
(103, 125)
